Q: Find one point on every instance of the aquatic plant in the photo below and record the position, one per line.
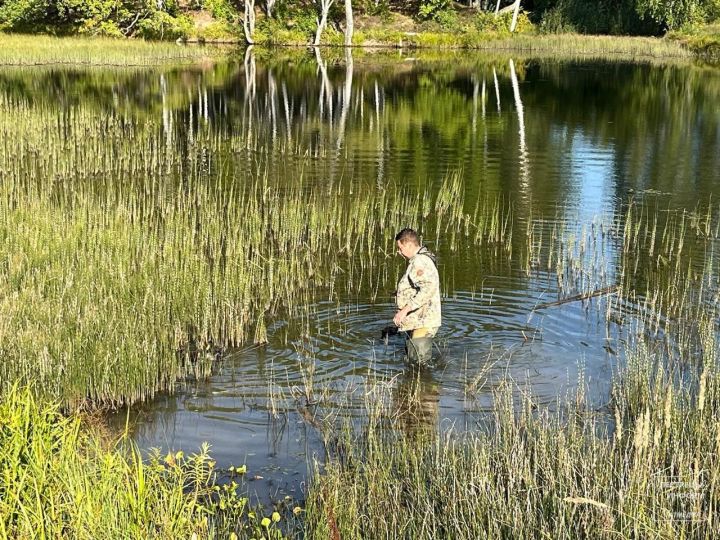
(646, 464)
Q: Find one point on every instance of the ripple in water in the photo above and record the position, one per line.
(249, 409)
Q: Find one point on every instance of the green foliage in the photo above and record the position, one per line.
(674, 14)
(380, 8)
(447, 18)
(57, 478)
(162, 25)
(302, 20)
(24, 15)
(222, 10)
(489, 23)
(59, 475)
(95, 17)
(556, 21)
(602, 17)
(429, 8)
(704, 41)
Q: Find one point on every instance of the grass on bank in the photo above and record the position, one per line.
(29, 50)
(22, 50)
(59, 478)
(704, 41)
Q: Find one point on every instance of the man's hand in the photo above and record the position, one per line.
(400, 315)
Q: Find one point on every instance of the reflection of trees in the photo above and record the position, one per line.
(140, 92)
(412, 122)
(660, 124)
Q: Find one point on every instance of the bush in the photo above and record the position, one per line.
(379, 8)
(488, 23)
(429, 8)
(221, 10)
(162, 25)
(447, 19)
(555, 21)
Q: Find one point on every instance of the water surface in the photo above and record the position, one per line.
(567, 145)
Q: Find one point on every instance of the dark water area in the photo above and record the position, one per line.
(567, 144)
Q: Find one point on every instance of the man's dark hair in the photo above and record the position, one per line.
(407, 235)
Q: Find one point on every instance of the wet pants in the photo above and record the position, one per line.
(419, 346)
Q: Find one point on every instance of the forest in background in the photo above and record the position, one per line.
(212, 19)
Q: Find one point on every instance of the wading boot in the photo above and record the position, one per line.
(419, 351)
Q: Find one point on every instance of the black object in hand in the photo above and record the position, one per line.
(389, 331)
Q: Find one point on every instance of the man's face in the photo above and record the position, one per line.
(407, 250)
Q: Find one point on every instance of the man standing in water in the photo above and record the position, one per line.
(417, 297)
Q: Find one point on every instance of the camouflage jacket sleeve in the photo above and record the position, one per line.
(425, 278)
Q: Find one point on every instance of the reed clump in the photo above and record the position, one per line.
(127, 265)
(645, 466)
(26, 50)
(643, 463)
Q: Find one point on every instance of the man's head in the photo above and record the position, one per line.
(407, 242)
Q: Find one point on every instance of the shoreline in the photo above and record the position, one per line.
(34, 50)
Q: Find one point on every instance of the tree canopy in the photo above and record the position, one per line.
(169, 19)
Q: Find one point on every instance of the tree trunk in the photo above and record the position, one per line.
(516, 10)
(269, 5)
(524, 161)
(249, 21)
(322, 22)
(348, 23)
(497, 8)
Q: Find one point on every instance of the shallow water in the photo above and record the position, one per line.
(568, 141)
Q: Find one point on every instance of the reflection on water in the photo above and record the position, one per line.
(566, 141)
(417, 401)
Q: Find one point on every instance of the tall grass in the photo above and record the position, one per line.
(59, 479)
(126, 265)
(62, 477)
(645, 467)
(644, 464)
(24, 50)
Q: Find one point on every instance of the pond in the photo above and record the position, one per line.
(544, 150)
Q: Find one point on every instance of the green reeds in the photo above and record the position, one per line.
(56, 480)
(647, 466)
(60, 477)
(127, 265)
(25, 50)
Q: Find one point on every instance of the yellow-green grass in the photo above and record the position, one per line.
(126, 266)
(59, 478)
(645, 464)
(30, 50)
(703, 40)
(572, 45)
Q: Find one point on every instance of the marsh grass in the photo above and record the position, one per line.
(644, 463)
(22, 50)
(60, 479)
(646, 466)
(127, 265)
(25, 50)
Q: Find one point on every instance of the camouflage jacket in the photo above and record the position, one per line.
(420, 288)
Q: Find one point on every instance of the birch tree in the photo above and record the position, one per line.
(348, 23)
(269, 6)
(516, 10)
(325, 6)
(249, 21)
